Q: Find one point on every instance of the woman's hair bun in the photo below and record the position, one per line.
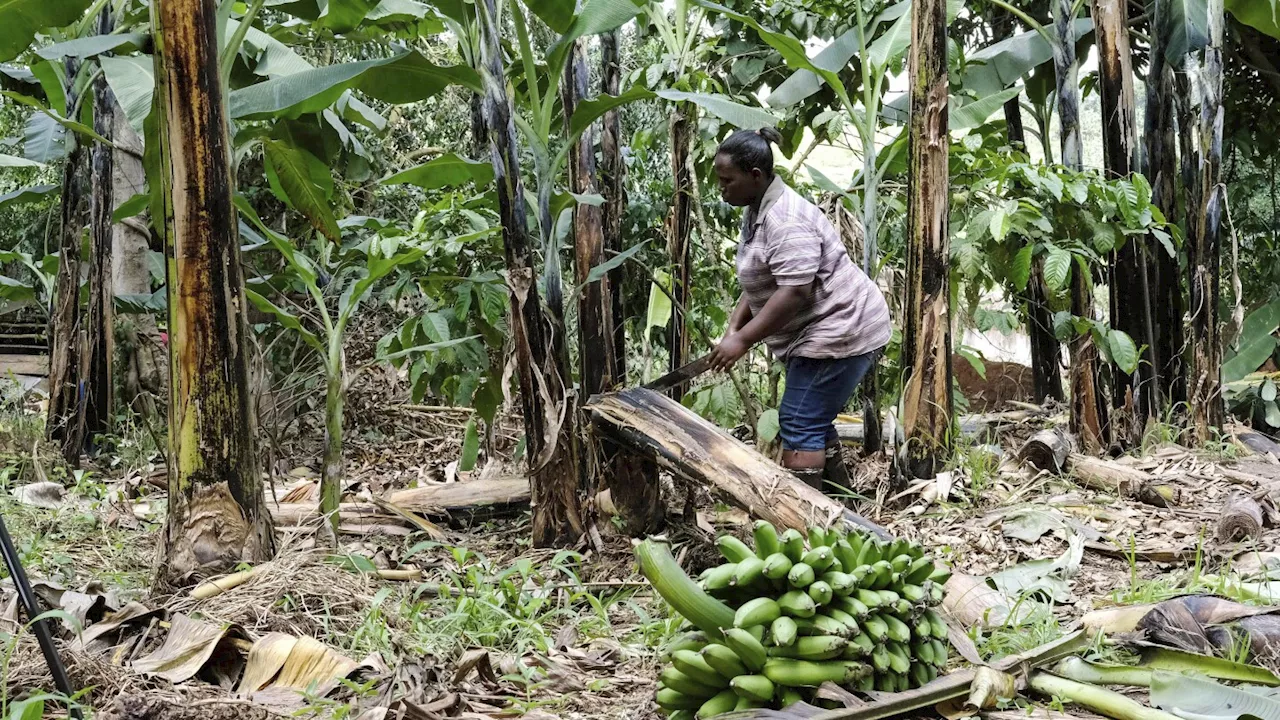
(770, 134)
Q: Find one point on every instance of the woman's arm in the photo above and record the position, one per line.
(782, 306)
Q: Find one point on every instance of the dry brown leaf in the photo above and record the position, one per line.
(1123, 619)
(266, 657)
(189, 647)
(47, 495)
(475, 659)
(309, 667)
(99, 636)
(970, 601)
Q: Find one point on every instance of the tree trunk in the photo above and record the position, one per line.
(1088, 414)
(553, 471)
(1161, 170)
(632, 482)
(334, 467)
(64, 345)
(1207, 413)
(140, 349)
(684, 126)
(1129, 277)
(217, 517)
(926, 342)
(612, 177)
(479, 136)
(98, 354)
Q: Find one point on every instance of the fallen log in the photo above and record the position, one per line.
(655, 425)
(1241, 519)
(479, 497)
(1047, 450)
(1258, 443)
(1121, 480)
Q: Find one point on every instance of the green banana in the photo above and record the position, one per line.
(801, 575)
(789, 696)
(825, 624)
(919, 675)
(793, 544)
(753, 687)
(720, 577)
(820, 592)
(724, 660)
(803, 673)
(940, 575)
(922, 651)
(875, 627)
(899, 660)
(880, 659)
(776, 566)
(819, 558)
(900, 563)
(870, 553)
(798, 604)
(869, 598)
(747, 647)
(812, 647)
(841, 583)
(854, 606)
(672, 699)
(783, 631)
(747, 704)
(685, 714)
(761, 611)
(862, 644)
(913, 594)
(898, 630)
(918, 572)
(881, 577)
(849, 622)
(718, 705)
(733, 549)
(748, 572)
(680, 682)
(766, 536)
(694, 640)
(817, 536)
(845, 555)
(696, 668)
(937, 626)
(939, 652)
(888, 598)
(867, 684)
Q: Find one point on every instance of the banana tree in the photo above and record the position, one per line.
(350, 273)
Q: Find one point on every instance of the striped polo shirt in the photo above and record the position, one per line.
(788, 241)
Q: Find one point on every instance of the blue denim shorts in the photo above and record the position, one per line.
(817, 390)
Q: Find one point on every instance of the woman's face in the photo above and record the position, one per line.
(738, 187)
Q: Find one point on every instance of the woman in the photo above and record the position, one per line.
(804, 298)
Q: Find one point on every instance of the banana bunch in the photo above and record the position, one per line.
(776, 622)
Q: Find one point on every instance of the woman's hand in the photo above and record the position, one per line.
(729, 351)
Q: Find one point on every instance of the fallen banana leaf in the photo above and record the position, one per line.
(1206, 609)
(300, 668)
(947, 687)
(1175, 625)
(430, 529)
(1111, 621)
(1159, 658)
(191, 646)
(970, 601)
(1077, 669)
(99, 636)
(1188, 696)
(1100, 700)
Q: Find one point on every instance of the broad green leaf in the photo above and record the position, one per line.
(1160, 658)
(286, 318)
(300, 263)
(1186, 29)
(1256, 344)
(1002, 64)
(143, 304)
(445, 171)
(1268, 391)
(405, 78)
(767, 426)
(390, 11)
(605, 267)
(557, 14)
(429, 348)
(133, 80)
(976, 113)
(892, 43)
(53, 81)
(131, 207)
(595, 17)
(1002, 220)
(1123, 352)
(73, 125)
(45, 140)
(29, 709)
(659, 313)
(743, 116)
(470, 447)
(27, 194)
(1057, 267)
(299, 174)
(20, 20)
(378, 269)
(275, 58)
(343, 16)
(13, 161)
(1020, 268)
(90, 46)
(976, 362)
(1263, 15)
(1197, 696)
(804, 83)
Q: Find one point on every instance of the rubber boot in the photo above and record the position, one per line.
(809, 476)
(836, 472)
